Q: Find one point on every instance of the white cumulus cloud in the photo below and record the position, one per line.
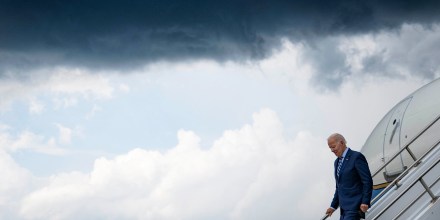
(15, 182)
(251, 173)
(27, 140)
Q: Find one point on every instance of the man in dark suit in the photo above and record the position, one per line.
(353, 180)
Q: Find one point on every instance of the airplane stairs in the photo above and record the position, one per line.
(414, 194)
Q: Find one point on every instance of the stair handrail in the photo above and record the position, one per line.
(434, 198)
(419, 178)
(403, 174)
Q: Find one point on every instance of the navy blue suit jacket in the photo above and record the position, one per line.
(354, 185)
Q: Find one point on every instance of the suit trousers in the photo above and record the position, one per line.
(350, 215)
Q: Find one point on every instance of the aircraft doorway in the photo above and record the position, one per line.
(392, 142)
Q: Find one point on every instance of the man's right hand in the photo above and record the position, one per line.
(329, 211)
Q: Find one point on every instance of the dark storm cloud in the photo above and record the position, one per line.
(123, 34)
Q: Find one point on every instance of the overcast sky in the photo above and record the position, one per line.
(191, 110)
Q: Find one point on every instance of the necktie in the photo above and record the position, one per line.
(339, 165)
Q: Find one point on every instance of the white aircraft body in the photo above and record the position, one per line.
(403, 153)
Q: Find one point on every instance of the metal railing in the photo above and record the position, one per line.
(434, 198)
(403, 174)
(395, 182)
(427, 189)
(417, 161)
(325, 217)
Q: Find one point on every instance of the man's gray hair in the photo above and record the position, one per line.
(338, 137)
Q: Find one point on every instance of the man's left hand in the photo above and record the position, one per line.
(364, 207)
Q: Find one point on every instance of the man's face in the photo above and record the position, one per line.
(336, 146)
